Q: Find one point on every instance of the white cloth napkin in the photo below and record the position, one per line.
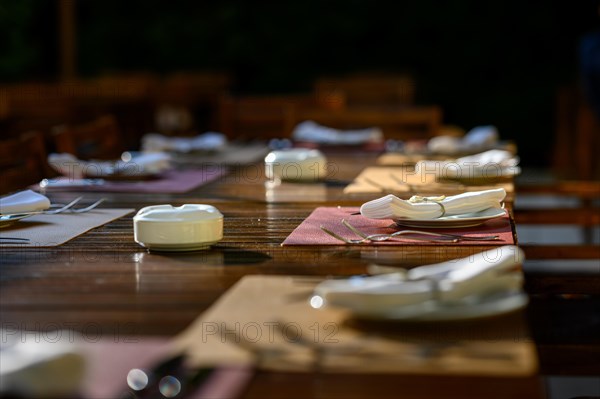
(140, 165)
(488, 164)
(23, 202)
(33, 367)
(209, 141)
(313, 132)
(467, 279)
(479, 138)
(392, 207)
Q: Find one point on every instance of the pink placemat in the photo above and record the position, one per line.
(109, 362)
(310, 233)
(170, 182)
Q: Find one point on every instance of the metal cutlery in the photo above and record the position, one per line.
(385, 237)
(374, 238)
(13, 240)
(436, 237)
(63, 209)
(89, 207)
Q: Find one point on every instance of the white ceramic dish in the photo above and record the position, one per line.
(189, 227)
(489, 306)
(454, 221)
(296, 164)
(8, 220)
(142, 166)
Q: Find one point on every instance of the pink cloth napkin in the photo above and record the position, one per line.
(310, 233)
(170, 182)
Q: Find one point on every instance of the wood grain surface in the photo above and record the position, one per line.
(104, 283)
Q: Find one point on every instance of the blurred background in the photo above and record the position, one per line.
(501, 63)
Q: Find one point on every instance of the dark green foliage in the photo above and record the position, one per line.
(483, 62)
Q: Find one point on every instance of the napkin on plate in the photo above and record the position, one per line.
(464, 281)
(23, 202)
(479, 138)
(143, 164)
(313, 132)
(392, 207)
(488, 164)
(209, 141)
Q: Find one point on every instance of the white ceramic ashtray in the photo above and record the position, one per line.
(296, 164)
(189, 227)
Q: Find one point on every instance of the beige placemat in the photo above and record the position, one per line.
(268, 320)
(54, 230)
(389, 179)
(398, 159)
(398, 180)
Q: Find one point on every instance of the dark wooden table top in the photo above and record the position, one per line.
(105, 280)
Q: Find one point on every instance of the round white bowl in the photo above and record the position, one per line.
(189, 227)
(296, 164)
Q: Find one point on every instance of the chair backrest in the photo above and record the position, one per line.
(402, 123)
(98, 139)
(191, 88)
(369, 89)
(195, 93)
(577, 137)
(23, 161)
(34, 106)
(260, 117)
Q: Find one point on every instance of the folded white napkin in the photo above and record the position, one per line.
(313, 132)
(209, 141)
(488, 164)
(479, 138)
(464, 281)
(142, 164)
(392, 207)
(49, 368)
(23, 202)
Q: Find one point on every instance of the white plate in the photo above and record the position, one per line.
(7, 220)
(462, 220)
(492, 305)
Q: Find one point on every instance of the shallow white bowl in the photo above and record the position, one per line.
(189, 227)
(296, 164)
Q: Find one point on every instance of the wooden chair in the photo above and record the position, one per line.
(376, 100)
(98, 139)
(368, 89)
(403, 123)
(193, 88)
(577, 166)
(128, 97)
(577, 137)
(34, 106)
(585, 216)
(195, 93)
(23, 162)
(260, 117)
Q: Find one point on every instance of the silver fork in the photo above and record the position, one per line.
(376, 238)
(64, 208)
(385, 237)
(89, 207)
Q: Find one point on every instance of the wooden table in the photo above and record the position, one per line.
(104, 280)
